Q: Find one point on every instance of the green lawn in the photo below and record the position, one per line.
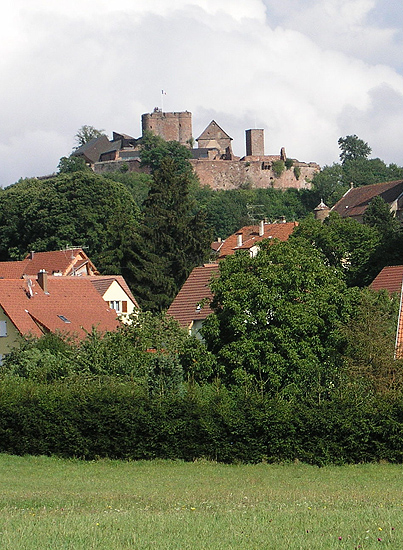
(52, 504)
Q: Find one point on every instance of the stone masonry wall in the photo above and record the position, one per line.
(233, 174)
(175, 126)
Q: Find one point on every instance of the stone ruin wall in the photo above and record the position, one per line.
(233, 174)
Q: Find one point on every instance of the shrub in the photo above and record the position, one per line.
(278, 168)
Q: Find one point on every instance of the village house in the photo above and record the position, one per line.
(356, 200)
(59, 291)
(74, 262)
(33, 306)
(192, 304)
(67, 262)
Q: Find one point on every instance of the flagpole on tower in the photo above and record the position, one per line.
(162, 100)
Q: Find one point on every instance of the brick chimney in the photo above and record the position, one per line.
(43, 280)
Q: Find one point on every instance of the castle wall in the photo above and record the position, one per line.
(175, 126)
(233, 174)
(132, 165)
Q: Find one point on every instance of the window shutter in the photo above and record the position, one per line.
(124, 306)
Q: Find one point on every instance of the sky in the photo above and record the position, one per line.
(306, 71)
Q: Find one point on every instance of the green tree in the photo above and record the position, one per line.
(379, 216)
(329, 184)
(67, 165)
(347, 245)
(154, 150)
(370, 336)
(173, 238)
(353, 148)
(87, 133)
(390, 248)
(276, 319)
(137, 183)
(278, 167)
(333, 181)
(80, 209)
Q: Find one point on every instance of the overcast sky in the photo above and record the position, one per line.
(307, 71)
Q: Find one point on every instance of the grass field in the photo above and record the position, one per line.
(52, 504)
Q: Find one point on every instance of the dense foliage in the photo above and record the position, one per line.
(78, 209)
(276, 319)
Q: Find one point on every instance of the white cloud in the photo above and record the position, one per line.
(301, 70)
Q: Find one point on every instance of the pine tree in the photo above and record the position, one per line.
(173, 239)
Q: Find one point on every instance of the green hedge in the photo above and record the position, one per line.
(91, 418)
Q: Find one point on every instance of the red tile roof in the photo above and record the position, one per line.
(356, 200)
(64, 261)
(75, 299)
(250, 236)
(390, 279)
(196, 288)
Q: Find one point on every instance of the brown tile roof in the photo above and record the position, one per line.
(250, 236)
(391, 279)
(196, 288)
(12, 270)
(93, 149)
(63, 261)
(75, 299)
(356, 200)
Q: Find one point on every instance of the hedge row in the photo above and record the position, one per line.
(104, 418)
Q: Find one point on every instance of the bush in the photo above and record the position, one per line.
(278, 167)
(103, 417)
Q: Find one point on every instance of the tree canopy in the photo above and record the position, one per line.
(87, 133)
(79, 209)
(276, 318)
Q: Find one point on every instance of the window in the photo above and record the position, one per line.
(3, 328)
(115, 304)
(64, 319)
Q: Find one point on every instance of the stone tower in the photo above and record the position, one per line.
(254, 143)
(169, 126)
(321, 212)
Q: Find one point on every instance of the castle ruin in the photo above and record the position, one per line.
(213, 160)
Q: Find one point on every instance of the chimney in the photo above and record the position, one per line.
(261, 228)
(43, 280)
(239, 239)
(31, 255)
